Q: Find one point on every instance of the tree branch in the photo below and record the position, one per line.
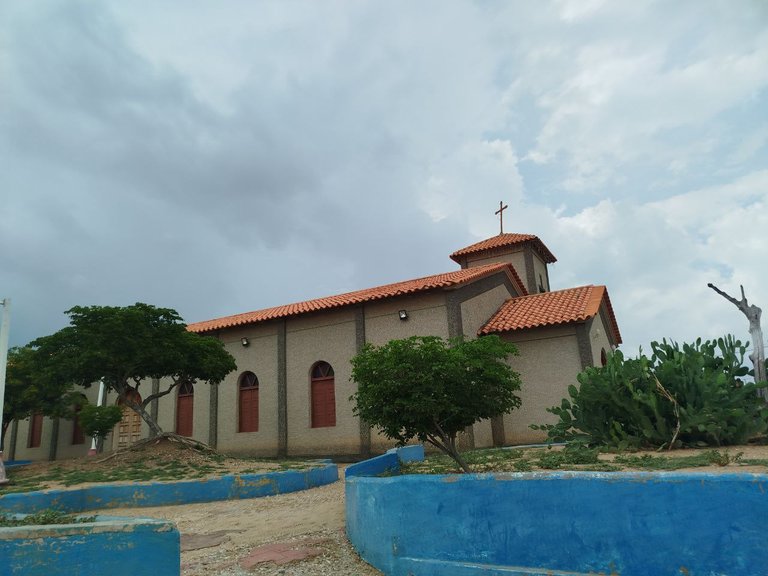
(157, 395)
(730, 298)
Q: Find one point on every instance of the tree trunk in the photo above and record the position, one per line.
(139, 409)
(753, 314)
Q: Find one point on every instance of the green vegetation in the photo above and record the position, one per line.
(427, 388)
(576, 457)
(124, 346)
(28, 392)
(43, 517)
(98, 421)
(681, 396)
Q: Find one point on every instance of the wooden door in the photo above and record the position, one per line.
(185, 403)
(248, 420)
(35, 430)
(129, 427)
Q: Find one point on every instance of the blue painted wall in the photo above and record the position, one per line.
(628, 524)
(387, 463)
(232, 487)
(109, 546)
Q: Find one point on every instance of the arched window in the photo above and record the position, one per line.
(603, 357)
(185, 403)
(248, 403)
(323, 396)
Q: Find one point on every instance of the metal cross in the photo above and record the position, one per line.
(500, 212)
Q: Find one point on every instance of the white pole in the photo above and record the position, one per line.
(4, 327)
(99, 402)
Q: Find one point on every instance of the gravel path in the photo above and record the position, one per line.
(244, 537)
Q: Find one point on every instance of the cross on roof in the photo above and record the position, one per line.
(500, 212)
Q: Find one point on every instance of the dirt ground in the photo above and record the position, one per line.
(241, 537)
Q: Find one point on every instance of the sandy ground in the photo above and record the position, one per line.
(233, 533)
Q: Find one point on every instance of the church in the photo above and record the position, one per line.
(289, 396)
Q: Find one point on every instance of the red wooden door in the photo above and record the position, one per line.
(249, 403)
(323, 396)
(36, 430)
(184, 408)
(78, 436)
(323, 403)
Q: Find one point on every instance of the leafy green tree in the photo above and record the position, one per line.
(426, 388)
(98, 421)
(681, 396)
(125, 346)
(27, 392)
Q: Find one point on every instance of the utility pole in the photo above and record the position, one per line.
(4, 327)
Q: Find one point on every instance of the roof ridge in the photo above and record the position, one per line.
(333, 301)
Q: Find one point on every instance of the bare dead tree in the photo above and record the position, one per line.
(752, 313)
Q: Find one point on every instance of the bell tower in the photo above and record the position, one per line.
(529, 256)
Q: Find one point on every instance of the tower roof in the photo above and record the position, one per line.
(501, 241)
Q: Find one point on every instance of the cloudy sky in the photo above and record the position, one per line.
(221, 157)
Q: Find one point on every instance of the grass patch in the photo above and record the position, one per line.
(162, 462)
(577, 457)
(43, 518)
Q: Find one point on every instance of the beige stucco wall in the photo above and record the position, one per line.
(259, 357)
(483, 434)
(330, 337)
(23, 452)
(476, 311)
(598, 338)
(517, 259)
(548, 363)
(426, 316)
(540, 270)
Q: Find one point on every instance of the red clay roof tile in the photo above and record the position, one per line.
(446, 281)
(552, 309)
(504, 240)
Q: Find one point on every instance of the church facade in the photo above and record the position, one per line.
(290, 393)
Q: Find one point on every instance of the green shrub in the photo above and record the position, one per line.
(689, 396)
(98, 421)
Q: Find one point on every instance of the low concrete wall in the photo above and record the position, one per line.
(231, 487)
(111, 546)
(627, 524)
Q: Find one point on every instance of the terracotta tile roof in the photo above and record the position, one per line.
(552, 309)
(502, 241)
(445, 281)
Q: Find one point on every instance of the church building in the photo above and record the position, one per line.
(290, 393)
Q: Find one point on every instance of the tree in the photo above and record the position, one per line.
(98, 421)
(124, 346)
(752, 313)
(689, 395)
(27, 392)
(426, 388)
